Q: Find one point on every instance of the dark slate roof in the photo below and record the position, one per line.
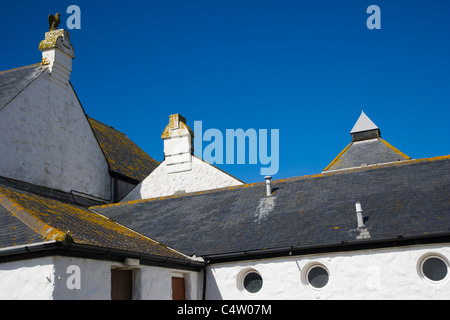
(14, 81)
(366, 152)
(409, 198)
(123, 155)
(27, 218)
(14, 232)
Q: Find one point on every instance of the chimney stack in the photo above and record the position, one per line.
(178, 146)
(58, 53)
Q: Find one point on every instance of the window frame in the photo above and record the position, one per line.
(241, 280)
(428, 256)
(305, 275)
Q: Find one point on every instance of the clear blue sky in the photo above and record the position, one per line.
(307, 68)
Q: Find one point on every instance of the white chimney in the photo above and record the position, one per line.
(268, 186)
(178, 146)
(359, 215)
(58, 53)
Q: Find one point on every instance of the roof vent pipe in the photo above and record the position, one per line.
(359, 215)
(268, 186)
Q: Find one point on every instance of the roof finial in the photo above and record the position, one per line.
(363, 124)
(364, 128)
(54, 21)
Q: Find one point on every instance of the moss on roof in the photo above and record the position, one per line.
(123, 155)
(52, 220)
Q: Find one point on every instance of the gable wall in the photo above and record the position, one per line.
(46, 140)
(203, 176)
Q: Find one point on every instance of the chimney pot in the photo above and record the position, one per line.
(359, 215)
(268, 186)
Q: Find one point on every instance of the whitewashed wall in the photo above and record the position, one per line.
(203, 176)
(51, 278)
(374, 274)
(27, 279)
(154, 283)
(46, 140)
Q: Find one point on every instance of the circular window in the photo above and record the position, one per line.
(253, 282)
(316, 276)
(434, 268)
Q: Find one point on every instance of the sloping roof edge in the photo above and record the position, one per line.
(26, 85)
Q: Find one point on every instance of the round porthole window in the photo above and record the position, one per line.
(434, 268)
(253, 282)
(250, 281)
(316, 276)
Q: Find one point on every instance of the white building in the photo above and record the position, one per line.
(373, 225)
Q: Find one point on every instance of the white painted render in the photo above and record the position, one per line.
(49, 141)
(54, 278)
(178, 153)
(27, 279)
(371, 274)
(154, 283)
(202, 176)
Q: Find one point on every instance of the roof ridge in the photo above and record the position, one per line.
(338, 156)
(255, 184)
(180, 195)
(394, 149)
(20, 68)
(12, 94)
(89, 117)
(46, 231)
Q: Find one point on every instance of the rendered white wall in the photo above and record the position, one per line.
(47, 278)
(153, 284)
(94, 276)
(374, 274)
(203, 176)
(27, 279)
(46, 140)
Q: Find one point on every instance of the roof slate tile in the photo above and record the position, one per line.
(405, 198)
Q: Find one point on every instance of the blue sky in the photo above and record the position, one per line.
(307, 68)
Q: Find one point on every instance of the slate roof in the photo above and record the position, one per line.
(409, 198)
(14, 81)
(27, 218)
(13, 232)
(366, 152)
(123, 155)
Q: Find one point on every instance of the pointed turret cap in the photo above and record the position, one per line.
(363, 124)
(366, 148)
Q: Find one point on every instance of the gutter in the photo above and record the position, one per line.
(343, 246)
(60, 248)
